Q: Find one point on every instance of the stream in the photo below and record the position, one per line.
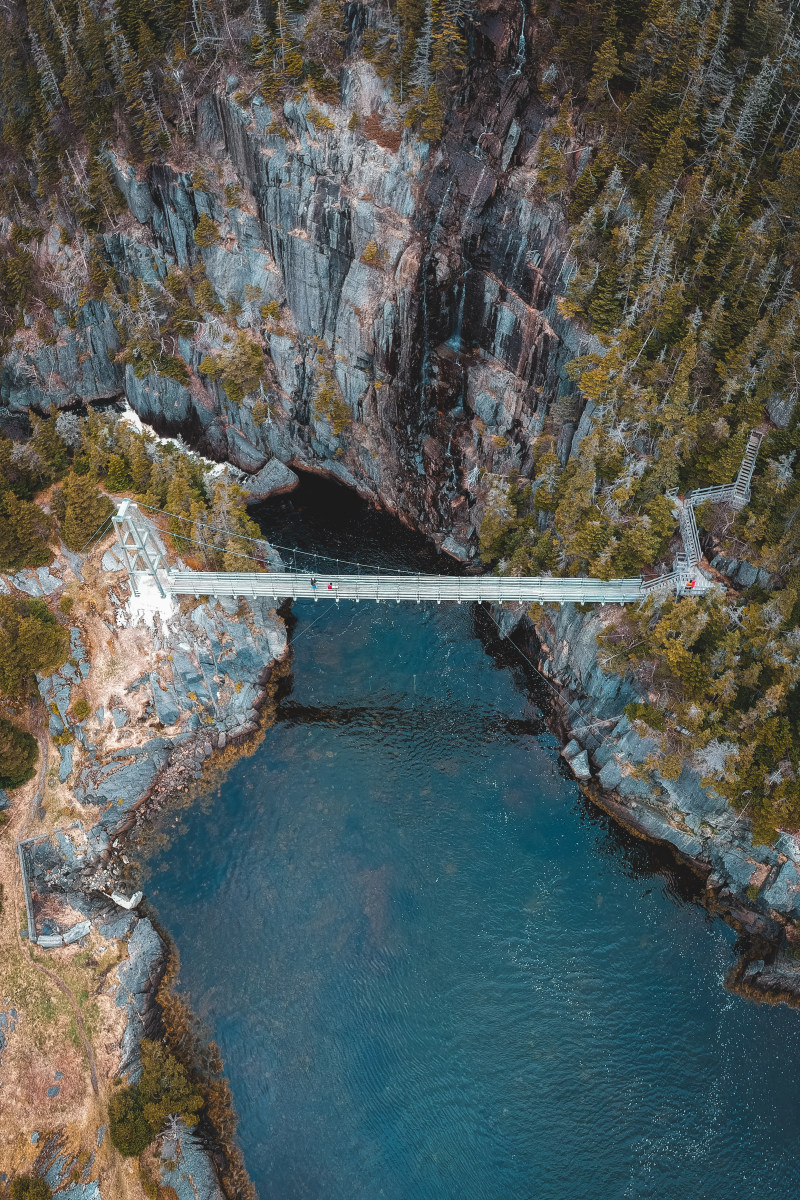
(434, 971)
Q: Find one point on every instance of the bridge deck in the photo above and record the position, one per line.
(461, 589)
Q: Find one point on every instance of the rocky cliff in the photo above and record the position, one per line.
(416, 282)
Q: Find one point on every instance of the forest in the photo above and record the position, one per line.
(670, 148)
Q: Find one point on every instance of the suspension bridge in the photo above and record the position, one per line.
(144, 554)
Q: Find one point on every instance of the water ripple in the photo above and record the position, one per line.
(435, 973)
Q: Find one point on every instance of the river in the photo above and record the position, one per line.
(433, 970)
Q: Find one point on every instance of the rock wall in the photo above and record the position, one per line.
(444, 342)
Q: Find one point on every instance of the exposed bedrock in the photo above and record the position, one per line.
(424, 282)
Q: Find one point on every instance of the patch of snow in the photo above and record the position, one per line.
(149, 604)
(212, 469)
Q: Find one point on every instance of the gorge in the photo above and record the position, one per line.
(520, 278)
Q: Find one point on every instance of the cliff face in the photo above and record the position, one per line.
(419, 283)
(405, 298)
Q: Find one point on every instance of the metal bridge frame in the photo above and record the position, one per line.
(144, 553)
(141, 547)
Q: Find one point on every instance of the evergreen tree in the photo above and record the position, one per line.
(85, 510)
(605, 306)
(30, 1187)
(433, 115)
(138, 1113)
(118, 476)
(24, 533)
(18, 755)
(30, 641)
(49, 445)
(606, 67)
(75, 87)
(128, 1128)
(288, 59)
(205, 231)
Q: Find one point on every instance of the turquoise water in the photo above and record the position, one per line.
(434, 972)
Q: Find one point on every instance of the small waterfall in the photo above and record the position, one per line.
(521, 48)
(466, 267)
(455, 336)
(450, 484)
(426, 341)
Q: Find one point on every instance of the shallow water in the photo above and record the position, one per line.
(434, 972)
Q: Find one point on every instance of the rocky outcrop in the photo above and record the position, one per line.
(757, 886)
(203, 672)
(139, 978)
(186, 1167)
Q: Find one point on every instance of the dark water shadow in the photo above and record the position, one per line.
(323, 516)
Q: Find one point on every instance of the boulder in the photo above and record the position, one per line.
(610, 775)
(110, 562)
(65, 766)
(273, 479)
(580, 765)
(192, 1176)
(76, 932)
(784, 894)
(119, 927)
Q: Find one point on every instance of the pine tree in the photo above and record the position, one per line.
(141, 468)
(439, 49)
(93, 54)
(262, 51)
(118, 477)
(420, 73)
(104, 195)
(605, 306)
(205, 231)
(410, 15)
(47, 76)
(24, 533)
(49, 445)
(85, 510)
(19, 752)
(288, 59)
(31, 641)
(433, 115)
(583, 194)
(667, 168)
(75, 87)
(606, 67)
(451, 36)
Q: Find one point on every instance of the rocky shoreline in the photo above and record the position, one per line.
(211, 670)
(755, 888)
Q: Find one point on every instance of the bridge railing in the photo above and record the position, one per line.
(714, 494)
(144, 552)
(675, 581)
(461, 589)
